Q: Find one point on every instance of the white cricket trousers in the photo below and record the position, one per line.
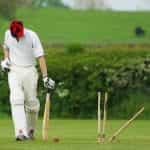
(23, 98)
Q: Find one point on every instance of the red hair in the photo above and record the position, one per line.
(16, 29)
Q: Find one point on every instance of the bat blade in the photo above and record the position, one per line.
(46, 116)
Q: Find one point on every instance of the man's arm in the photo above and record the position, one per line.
(39, 53)
(48, 82)
(5, 64)
(6, 53)
(43, 66)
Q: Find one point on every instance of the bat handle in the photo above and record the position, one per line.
(48, 90)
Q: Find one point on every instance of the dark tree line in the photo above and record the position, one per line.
(8, 7)
(47, 3)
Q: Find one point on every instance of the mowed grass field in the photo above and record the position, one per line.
(55, 25)
(79, 135)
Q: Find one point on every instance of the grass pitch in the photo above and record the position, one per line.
(55, 25)
(65, 26)
(79, 135)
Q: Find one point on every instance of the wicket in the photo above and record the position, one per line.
(113, 137)
(102, 115)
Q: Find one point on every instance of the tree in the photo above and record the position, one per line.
(24, 2)
(47, 3)
(8, 8)
(89, 4)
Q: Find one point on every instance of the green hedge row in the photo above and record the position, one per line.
(124, 73)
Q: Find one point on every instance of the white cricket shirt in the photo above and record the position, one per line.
(23, 52)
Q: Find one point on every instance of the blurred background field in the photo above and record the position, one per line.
(86, 51)
(62, 25)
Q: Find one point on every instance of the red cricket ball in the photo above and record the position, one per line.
(56, 139)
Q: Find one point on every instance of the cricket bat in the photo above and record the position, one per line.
(99, 116)
(46, 116)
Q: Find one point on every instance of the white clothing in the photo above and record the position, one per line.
(23, 98)
(24, 51)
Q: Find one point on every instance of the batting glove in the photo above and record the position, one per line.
(5, 64)
(49, 83)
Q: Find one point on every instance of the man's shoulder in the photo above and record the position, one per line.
(7, 33)
(30, 32)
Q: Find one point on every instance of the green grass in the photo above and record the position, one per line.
(64, 26)
(79, 134)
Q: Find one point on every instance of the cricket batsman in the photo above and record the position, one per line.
(21, 48)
